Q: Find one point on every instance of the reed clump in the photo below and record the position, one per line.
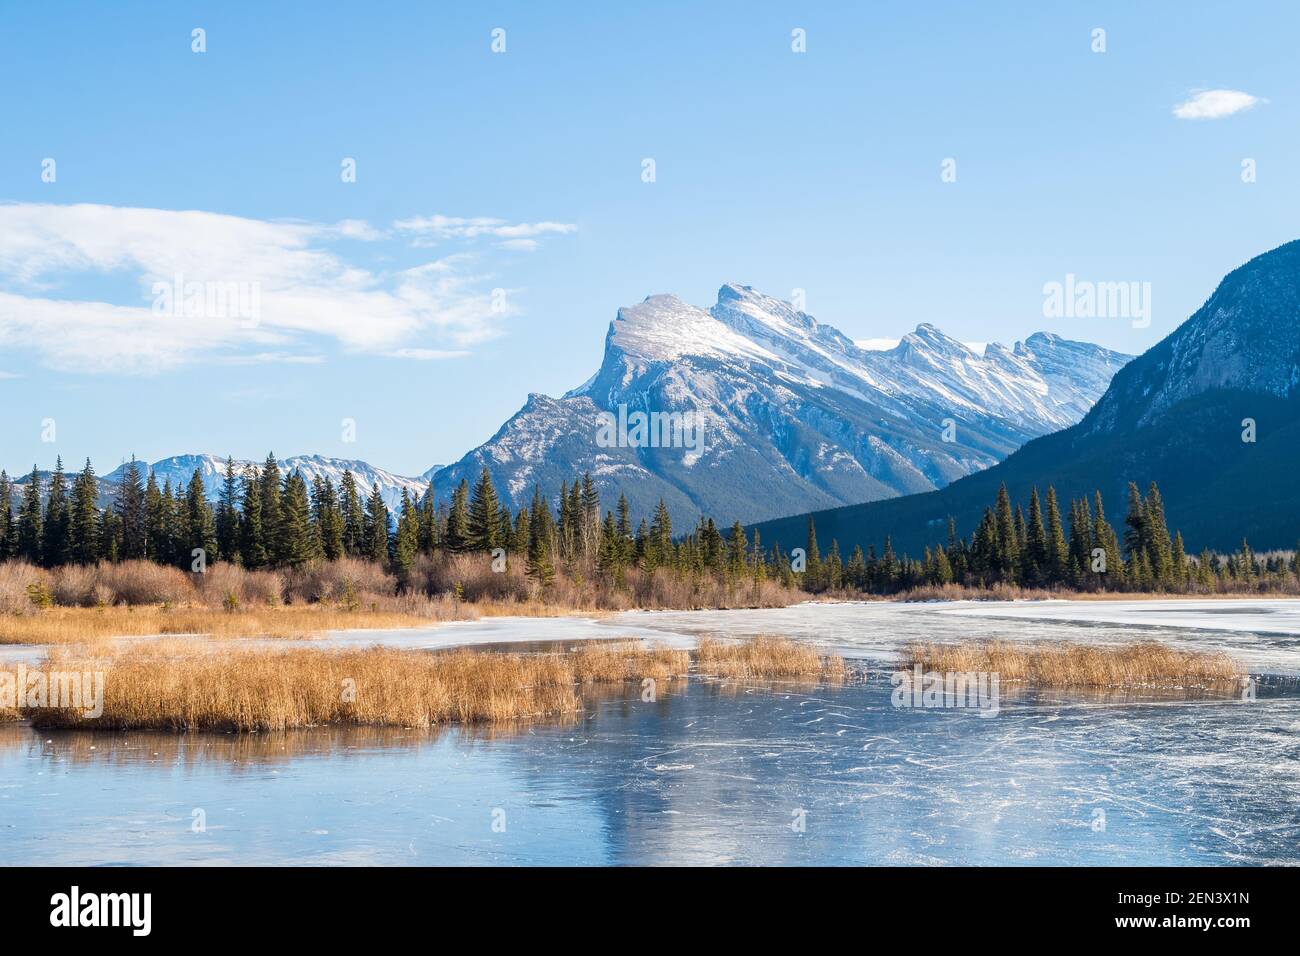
(767, 657)
(1063, 664)
(191, 685)
(597, 661)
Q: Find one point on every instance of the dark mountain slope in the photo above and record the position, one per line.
(1173, 415)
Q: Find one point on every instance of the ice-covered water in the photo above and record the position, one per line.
(722, 772)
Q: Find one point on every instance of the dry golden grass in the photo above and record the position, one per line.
(247, 689)
(189, 685)
(766, 657)
(69, 625)
(76, 625)
(1146, 663)
(630, 660)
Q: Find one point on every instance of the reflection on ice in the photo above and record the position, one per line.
(714, 772)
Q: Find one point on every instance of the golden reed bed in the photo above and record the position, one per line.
(66, 625)
(1144, 664)
(187, 685)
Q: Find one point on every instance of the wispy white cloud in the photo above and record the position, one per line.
(1215, 104)
(517, 236)
(426, 355)
(236, 289)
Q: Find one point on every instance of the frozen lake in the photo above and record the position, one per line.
(723, 772)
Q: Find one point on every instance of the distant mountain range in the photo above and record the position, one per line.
(179, 469)
(797, 416)
(1177, 415)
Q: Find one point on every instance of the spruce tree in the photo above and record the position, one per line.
(1035, 560)
(8, 530)
(30, 533)
(269, 486)
(84, 518)
(56, 543)
(1058, 552)
(252, 531)
(736, 548)
(406, 542)
(429, 521)
(228, 515)
(376, 527)
(354, 516)
(296, 542)
(155, 523)
(199, 523)
(1104, 537)
(540, 567)
(327, 518)
(812, 576)
(457, 538)
(1007, 555)
(484, 525)
(129, 506)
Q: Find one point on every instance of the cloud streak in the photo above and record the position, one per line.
(1215, 104)
(298, 289)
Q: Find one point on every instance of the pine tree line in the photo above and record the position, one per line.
(265, 519)
(1033, 547)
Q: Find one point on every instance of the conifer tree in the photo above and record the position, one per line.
(252, 530)
(376, 527)
(812, 576)
(660, 543)
(520, 538)
(30, 533)
(457, 538)
(406, 542)
(1007, 551)
(1035, 560)
(157, 547)
(296, 543)
(1158, 541)
(354, 518)
(56, 543)
(429, 540)
(484, 526)
(1104, 537)
(270, 486)
(834, 571)
(110, 535)
(736, 548)
(228, 514)
(624, 528)
(1058, 552)
(1135, 533)
(199, 524)
(540, 567)
(84, 518)
(8, 528)
(327, 518)
(129, 506)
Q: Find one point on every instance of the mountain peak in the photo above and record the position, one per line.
(931, 338)
(798, 415)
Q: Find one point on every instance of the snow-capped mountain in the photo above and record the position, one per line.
(212, 468)
(1211, 414)
(797, 416)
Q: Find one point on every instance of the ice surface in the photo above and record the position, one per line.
(723, 772)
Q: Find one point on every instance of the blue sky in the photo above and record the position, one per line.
(522, 171)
